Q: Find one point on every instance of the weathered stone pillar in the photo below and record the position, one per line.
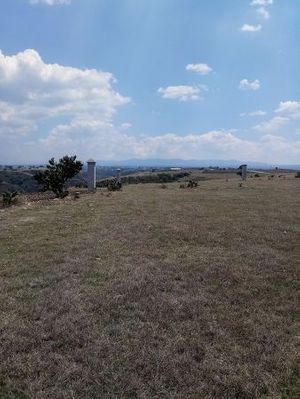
(244, 172)
(91, 174)
(118, 175)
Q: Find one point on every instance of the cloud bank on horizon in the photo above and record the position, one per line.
(191, 110)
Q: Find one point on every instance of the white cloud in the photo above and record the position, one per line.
(32, 91)
(126, 126)
(87, 136)
(289, 108)
(50, 2)
(263, 12)
(251, 28)
(245, 84)
(103, 141)
(254, 113)
(261, 2)
(288, 111)
(79, 106)
(181, 93)
(202, 69)
(280, 149)
(272, 125)
(90, 137)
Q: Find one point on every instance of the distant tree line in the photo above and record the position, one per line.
(147, 178)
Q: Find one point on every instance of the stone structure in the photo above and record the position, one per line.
(243, 171)
(118, 175)
(91, 174)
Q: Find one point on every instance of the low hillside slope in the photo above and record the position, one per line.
(152, 293)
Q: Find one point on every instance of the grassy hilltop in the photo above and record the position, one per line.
(153, 293)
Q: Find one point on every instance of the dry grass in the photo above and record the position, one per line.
(152, 293)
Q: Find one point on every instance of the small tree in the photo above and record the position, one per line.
(56, 175)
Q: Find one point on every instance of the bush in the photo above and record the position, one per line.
(164, 186)
(9, 197)
(192, 184)
(297, 174)
(114, 185)
(56, 175)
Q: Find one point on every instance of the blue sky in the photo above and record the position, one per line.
(119, 79)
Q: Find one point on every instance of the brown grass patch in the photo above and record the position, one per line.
(152, 293)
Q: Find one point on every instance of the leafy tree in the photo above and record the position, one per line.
(56, 174)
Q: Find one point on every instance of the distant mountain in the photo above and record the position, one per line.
(192, 163)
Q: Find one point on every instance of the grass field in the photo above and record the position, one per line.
(153, 293)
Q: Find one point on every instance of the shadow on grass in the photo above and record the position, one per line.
(11, 393)
(292, 391)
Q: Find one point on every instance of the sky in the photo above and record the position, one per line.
(122, 79)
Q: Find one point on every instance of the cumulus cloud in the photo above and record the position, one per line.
(71, 110)
(254, 113)
(202, 69)
(262, 6)
(279, 148)
(246, 84)
(89, 137)
(32, 91)
(289, 109)
(181, 93)
(272, 125)
(251, 28)
(50, 2)
(263, 12)
(104, 141)
(126, 125)
(261, 2)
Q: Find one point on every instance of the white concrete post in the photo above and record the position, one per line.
(91, 174)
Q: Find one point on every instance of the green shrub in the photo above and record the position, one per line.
(9, 197)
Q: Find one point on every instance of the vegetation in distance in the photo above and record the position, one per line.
(163, 177)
